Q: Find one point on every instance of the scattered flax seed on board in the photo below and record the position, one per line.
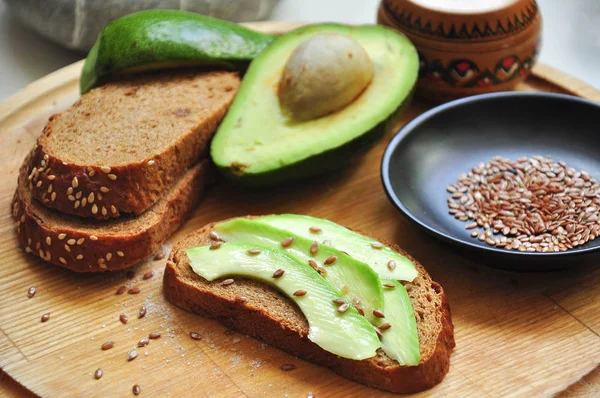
(286, 367)
(148, 275)
(108, 345)
(98, 374)
(532, 204)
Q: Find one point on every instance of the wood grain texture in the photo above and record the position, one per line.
(517, 334)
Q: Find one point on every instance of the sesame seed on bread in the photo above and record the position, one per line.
(123, 145)
(269, 315)
(88, 245)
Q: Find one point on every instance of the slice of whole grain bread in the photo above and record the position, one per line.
(88, 245)
(123, 145)
(269, 315)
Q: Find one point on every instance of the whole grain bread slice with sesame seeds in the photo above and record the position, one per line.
(88, 245)
(261, 311)
(123, 145)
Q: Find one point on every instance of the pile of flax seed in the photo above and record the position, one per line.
(532, 204)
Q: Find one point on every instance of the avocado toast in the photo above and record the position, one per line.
(260, 310)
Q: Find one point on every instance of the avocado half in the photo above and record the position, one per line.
(257, 144)
(162, 39)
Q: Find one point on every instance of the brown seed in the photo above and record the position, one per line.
(300, 293)
(343, 308)
(134, 290)
(214, 236)
(322, 271)
(45, 317)
(107, 346)
(314, 247)
(376, 245)
(314, 230)
(121, 290)
(313, 264)
(31, 291)
(378, 313)
(159, 256)
(360, 309)
(241, 299)
(148, 275)
(215, 245)
(330, 260)
(254, 251)
(378, 331)
(278, 274)
(227, 282)
(123, 318)
(132, 355)
(389, 285)
(287, 242)
(136, 389)
(154, 335)
(286, 367)
(142, 312)
(143, 342)
(470, 225)
(195, 336)
(391, 265)
(98, 374)
(385, 326)
(339, 301)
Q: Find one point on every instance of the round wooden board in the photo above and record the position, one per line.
(520, 334)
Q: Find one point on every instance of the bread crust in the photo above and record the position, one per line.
(83, 246)
(110, 191)
(187, 290)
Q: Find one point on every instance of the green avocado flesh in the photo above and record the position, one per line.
(347, 334)
(159, 39)
(355, 280)
(356, 245)
(257, 144)
(401, 341)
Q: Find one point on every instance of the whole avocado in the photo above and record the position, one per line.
(161, 39)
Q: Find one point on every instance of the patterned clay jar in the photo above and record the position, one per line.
(467, 47)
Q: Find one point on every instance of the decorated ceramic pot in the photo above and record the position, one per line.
(467, 47)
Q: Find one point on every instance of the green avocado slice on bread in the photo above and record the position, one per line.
(221, 272)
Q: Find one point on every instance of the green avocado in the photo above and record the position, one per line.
(354, 279)
(160, 39)
(259, 144)
(358, 246)
(401, 340)
(346, 334)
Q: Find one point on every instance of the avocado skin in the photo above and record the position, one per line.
(331, 160)
(161, 39)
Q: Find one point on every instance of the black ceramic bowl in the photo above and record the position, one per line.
(431, 151)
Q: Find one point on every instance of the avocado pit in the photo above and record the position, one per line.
(323, 75)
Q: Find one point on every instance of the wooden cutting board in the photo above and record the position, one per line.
(516, 334)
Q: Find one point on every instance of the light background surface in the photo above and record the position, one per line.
(571, 38)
